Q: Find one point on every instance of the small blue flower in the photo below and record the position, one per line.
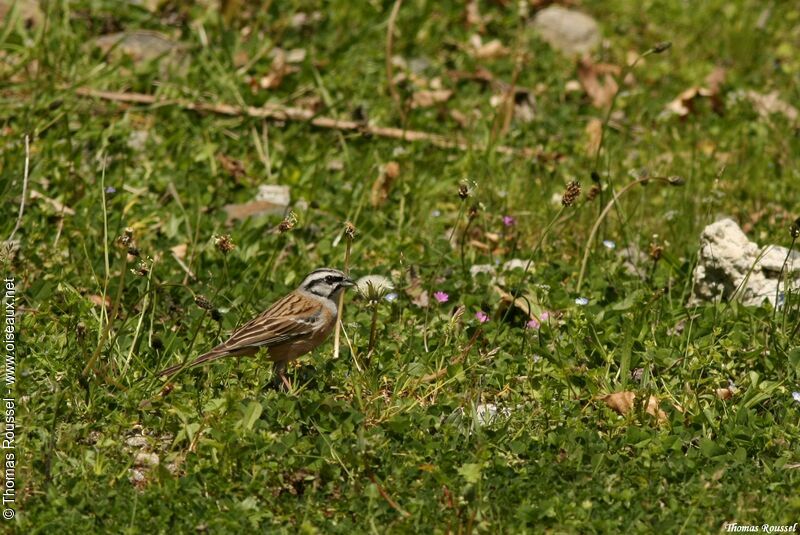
(609, 244)
(582, 301)
(111, 190)
(390, 296)
(796, 396)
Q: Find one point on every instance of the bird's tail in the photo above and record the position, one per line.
(214, 354)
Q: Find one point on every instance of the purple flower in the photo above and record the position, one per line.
(111, 190)
(533, 324)
(482, 316)
(441, 297)
(509, 221)
(544, 316)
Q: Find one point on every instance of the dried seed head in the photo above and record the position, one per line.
(656, 250)
(593, 192)
(141, 269)
(795, 229)
(80, 330)
(474, 210)
(663, 46)
(571, 194)
(203, 302)
(133, 250)
(156, 343)
(216, 315)
(288, 223)
(595, 177)
(676, 181)
(126, 239)
(350, 230)
(224, 243)
(463, 191)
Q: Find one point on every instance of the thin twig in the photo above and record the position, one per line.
(24, 187)
(280, 112)
(398, 100)
(604, 213)
(388, 498)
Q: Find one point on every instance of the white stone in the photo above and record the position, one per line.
(569, 31)
(732, 267)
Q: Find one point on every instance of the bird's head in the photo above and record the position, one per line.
(326, 282)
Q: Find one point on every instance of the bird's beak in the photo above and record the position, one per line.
(348, 282)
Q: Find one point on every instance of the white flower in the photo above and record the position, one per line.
(796, 396)
(582, 301)
(391, 296)
(609, 244)
(374, 286)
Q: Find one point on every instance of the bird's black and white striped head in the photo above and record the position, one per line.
(326, 282)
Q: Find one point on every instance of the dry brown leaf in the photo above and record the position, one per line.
(232, 166)
(594, 133)
(179, 251)
(684, 103)
(57, 205)
(473, 16)
(99, 301)
(459, 118)
(427, 98)
(767, 104)
(383, 184)
(522, 302)
(716, 79)
(724, 393)
(278, 71)
(492, 50)
(622, 403)
(598, 81)
(418, 294)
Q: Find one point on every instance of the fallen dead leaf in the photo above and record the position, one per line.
(232, 166)
(179, 251)
(622, 403)
(716, 79)
(594, 133)
(279, 69)
(57, 205)
(492, 50)
(427, 98)
(769, 103)
(383, 184)
(473, 16)
(684, 103)
(598, 81)
(418, 294)
(724, 393)
(99, 301)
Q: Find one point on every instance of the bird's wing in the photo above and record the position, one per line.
(290, 318)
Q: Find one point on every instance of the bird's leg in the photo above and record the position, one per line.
(280, 379)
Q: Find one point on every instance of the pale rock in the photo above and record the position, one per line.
(732, 267)
(569, 31)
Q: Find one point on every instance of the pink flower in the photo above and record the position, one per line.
(509, 221)
(482, 316)
(441, 297)
(536, 323)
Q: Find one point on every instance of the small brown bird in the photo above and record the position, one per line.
(290, 328)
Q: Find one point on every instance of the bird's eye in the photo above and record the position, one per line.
(329, 279)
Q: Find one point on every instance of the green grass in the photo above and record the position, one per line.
(388, 449)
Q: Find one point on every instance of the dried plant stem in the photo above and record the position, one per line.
(279, 112)
(338, 335)
(398, 100)
(373, 330)
(602, 216)
(24, 187)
